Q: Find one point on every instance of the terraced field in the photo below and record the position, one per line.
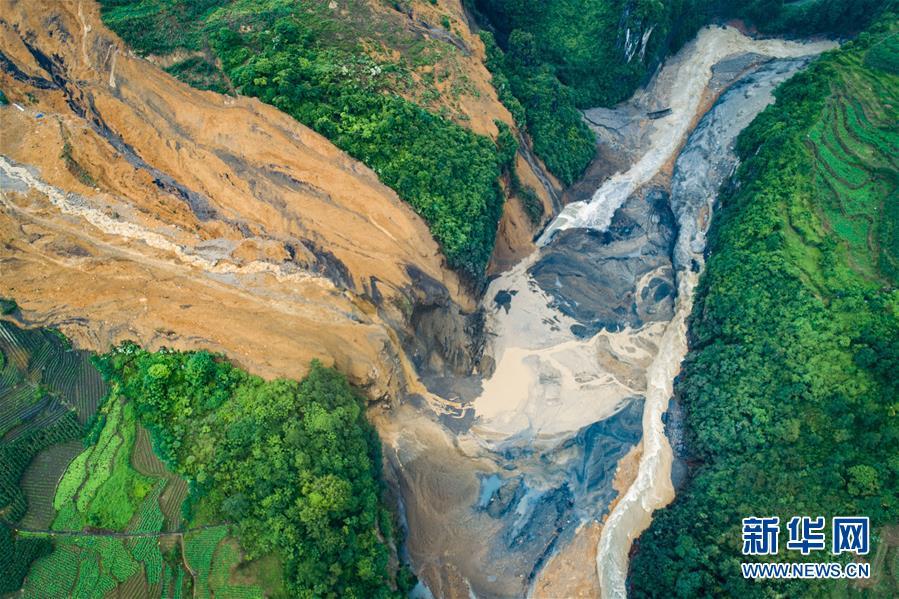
(110, 524)
(88, 509)
(856, 150)
(175, 489)
(47, 393)
(42, 378)
(40, 480)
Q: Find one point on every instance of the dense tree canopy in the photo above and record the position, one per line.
(790, 385)
(589, 45)
(294, 465)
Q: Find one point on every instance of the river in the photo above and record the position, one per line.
(499, 473)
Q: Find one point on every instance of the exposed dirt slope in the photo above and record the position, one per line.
(136, 207)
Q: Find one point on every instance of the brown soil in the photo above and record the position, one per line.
(572, 571)
(275, 197)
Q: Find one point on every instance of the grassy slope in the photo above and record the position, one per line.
(789, 388)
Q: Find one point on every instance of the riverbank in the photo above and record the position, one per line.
(788, 389)
(583, 371)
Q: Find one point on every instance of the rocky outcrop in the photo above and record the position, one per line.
(444, 340)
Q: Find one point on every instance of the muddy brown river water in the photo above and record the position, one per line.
(498, 475)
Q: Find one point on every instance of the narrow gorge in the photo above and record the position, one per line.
(487, 257)
(564, 435)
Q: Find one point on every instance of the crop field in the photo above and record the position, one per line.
(55, 574)
(145, 550)
(142, 457)
(173, 580)
(135, 587)
(175, 489)
(42, 378)
(95, 566)
(170, 502)
(40, 480)
(17, 456)
(98, 514)
(199, 549)
(226, 557)
(212, 556)
(855, 151)
(100, 489)
(87, 566)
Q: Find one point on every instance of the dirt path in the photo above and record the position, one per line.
(106, 533)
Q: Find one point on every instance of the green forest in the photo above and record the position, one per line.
(294, 466)
(173, 474)
(789, 389)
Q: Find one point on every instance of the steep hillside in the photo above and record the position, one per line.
(789, 388)
(138, 208)
(399, 88)
(552, 58)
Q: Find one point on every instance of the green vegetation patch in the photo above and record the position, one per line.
(108, 525)
(293, 466)
(542, 106)
(199, 549)
(593, 47)
(7, 306)
(805, 17)
(884, 55)
(789, 387)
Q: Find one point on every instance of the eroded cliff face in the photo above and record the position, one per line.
(134, 207)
